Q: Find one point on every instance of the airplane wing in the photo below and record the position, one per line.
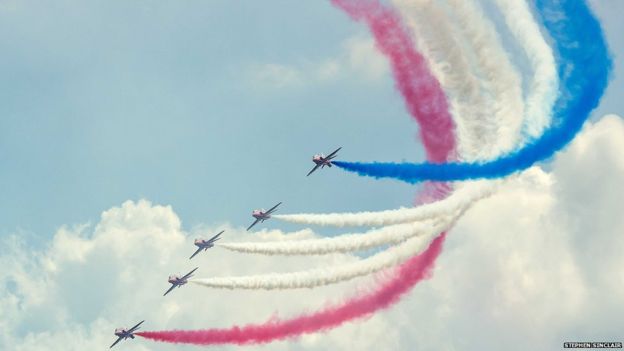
(171, 288)
(196, 252)
(254, 223)
(115, 343)
(330, 156)
(273, 208)
(314, 169)
(214, 238)
(189, 273)
(136, 327)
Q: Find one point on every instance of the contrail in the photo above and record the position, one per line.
(584, 71)
(461, 196)
(542, 91)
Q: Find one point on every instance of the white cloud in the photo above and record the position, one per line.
(536, 265)
(359, 59)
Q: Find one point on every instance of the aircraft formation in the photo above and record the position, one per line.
(261, 215)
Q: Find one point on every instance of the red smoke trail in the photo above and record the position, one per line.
(426, 102)
(421, 91)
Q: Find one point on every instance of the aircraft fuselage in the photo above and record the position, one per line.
(203, 244)
(321, 160)
(177, 280)
(123, 333)
(259, 214)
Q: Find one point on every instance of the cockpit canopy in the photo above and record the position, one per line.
(198, 241)
(120, 330)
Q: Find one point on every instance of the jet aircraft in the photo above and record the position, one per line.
(322, 160)
(123, 333)
(262, 215)
(176, 281)
(205, 244)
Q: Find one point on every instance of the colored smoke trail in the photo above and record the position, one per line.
(402, 279)
(421, 91)
(584, 70)
(389, 292)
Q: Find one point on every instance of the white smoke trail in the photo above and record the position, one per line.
(340, 244)
(447, 60)
(390, 257)
(330, 275)
(429, 214)
(501, 78)
(545, 82)
(463, 195)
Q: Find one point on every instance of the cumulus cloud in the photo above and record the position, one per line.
(537, 264)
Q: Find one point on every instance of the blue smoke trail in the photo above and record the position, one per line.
(584, 70)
